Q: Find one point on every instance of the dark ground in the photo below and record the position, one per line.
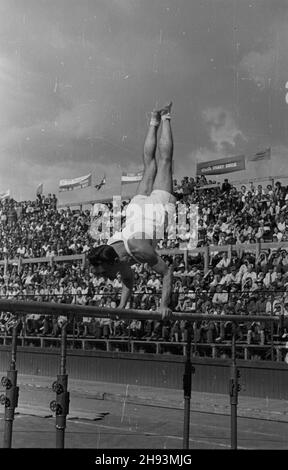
(122, 416)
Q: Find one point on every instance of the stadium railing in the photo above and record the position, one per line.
(137, 346)
(206, 251)
(61, 405)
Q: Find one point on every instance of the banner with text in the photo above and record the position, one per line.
(75, 183)
(221, 166)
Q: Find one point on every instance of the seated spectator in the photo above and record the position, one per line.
(220, 297)
(224, 262)
(33, 324)
(154, 282)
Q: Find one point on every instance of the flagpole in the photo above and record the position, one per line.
(272, 176)
(120, 181)
(196, 165)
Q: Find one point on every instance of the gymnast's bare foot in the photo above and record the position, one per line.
(155, 118)
(166, 109)
(162, 113)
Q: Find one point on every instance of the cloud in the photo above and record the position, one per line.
(78, 80)
(223, 129)
(259, 66)
(269, 66)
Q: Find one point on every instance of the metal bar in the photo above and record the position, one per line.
(63, 349)
(234, 389)
(61, 405)
(187, 383)
(195, 338)
(50, 308)
(272, 328)
(63, 379)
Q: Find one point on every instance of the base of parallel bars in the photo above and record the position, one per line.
(8, 429)
(234, 391)
(233, 426)
(10, 401)
(60, 436)
(186, 433)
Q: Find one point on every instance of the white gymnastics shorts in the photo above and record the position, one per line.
(150, 214)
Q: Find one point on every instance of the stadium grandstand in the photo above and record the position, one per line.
(240, 266)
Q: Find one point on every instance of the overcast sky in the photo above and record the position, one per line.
(78, 79)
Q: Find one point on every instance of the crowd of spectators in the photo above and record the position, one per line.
(240, 284)
(36, 229)
(226, 216)
(231, 215)
(236, 281)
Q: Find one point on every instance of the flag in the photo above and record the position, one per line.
(127, 178)
(39, 189)
(75, 183)
(102, 182)
(5, 195)
(221, 166)
(262, 155)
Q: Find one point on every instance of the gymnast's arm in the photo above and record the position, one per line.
(127, 277)
(167, 272)
(143, 251)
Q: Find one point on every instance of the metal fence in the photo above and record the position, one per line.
(207, 252)
(60, 406)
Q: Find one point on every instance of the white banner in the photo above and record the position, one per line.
(75, 183)
(131, 177)
(5, 194)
